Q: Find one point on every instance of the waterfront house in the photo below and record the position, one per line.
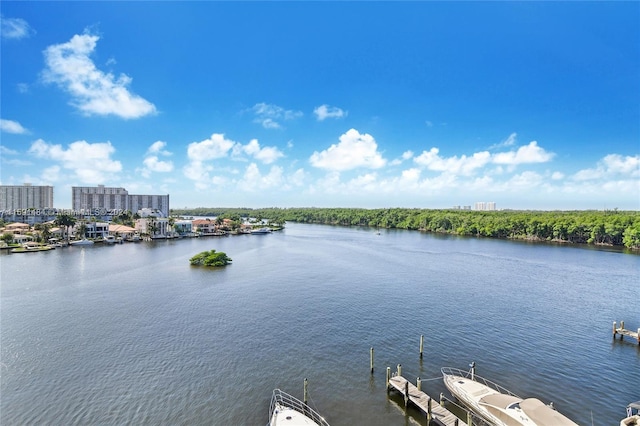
(183, 227)
(17, 228)
(121, 230)
(154, 227)
(205, 226)
(94, 230)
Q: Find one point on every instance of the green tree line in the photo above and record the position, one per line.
(610, 227)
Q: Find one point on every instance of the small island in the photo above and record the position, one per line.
(210, 258)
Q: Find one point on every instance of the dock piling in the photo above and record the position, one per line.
(371, 361)
(421, 344)
(406, 393)
(422, 401)
(305, 391)
(624, 332)
(388, 376)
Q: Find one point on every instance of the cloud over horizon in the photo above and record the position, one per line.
(90, 163)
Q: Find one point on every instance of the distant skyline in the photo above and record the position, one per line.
(531, 105)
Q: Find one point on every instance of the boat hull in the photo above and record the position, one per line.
(498, 406)
(289, 411)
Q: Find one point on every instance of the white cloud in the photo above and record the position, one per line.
(93, 92)
(611, 166)
(198, 172)
(90, 162)
(16, 28)
(510, 141)
(531, 153)
(217, 146)
(407, 155)
(269, 116)
(467, 166)
(617, 164)
(354, 150)
(253, 180)
(10, 126)
(463, 165)
(525, 180)
(51, 174)
(152, 162)
(16, 162)
(266, 155)
(214, 147)
(158, 148)
(6, 151)
(297, 178)
(325, 111)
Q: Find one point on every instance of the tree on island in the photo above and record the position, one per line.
(210, 258)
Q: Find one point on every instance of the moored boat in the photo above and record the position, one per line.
(264, 230)
(288, 410)
(497, 405)
(31, 249)
(83, 242)
(633, 415)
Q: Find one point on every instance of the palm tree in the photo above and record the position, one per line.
(65, 221)
(82, 230)
(45, 232)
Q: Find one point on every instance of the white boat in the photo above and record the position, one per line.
(109, 239)
(261, 231)
(633, 415)
(133, 238)
(83, 242)
(290, 411)
(498, 406)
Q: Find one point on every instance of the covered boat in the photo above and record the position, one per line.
(633, 415)
(287, 410)
(496, 405)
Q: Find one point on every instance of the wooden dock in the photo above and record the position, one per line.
(433, 410)
(624, 332)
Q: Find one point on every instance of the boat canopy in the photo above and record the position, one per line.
(501, 400)
(635, 405)
(542, 414)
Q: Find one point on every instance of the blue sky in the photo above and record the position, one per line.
(531, 105)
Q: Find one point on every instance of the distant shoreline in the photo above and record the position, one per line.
(608, 228)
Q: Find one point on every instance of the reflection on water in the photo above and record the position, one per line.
(133, 334)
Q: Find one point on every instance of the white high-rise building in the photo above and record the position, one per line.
(482, 205)
(27, 196)
(91, 198)
(102, 200)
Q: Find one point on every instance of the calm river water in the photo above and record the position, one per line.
(132, 334)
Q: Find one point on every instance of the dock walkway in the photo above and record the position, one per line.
(434, 411)
(624, 332)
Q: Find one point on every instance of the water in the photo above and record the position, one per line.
(132, 334)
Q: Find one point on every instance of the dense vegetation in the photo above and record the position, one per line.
(210, 258)
(612, 227)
